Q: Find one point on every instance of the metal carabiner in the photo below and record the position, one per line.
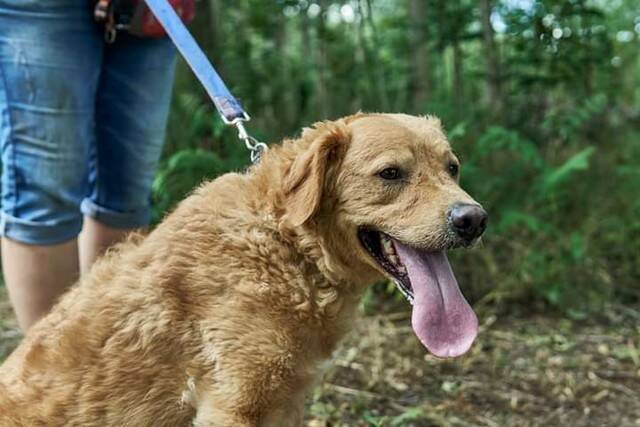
(110, 34)
(255, 147)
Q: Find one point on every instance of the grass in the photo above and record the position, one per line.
(522, 371)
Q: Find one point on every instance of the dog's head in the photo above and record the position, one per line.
(385, 186)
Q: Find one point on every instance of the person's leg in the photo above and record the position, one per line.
(95, 238)
(50, 52)
(36, 276)
(132, 106)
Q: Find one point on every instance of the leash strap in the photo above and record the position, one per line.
(227, 105)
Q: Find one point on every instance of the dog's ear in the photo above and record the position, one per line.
(304, 184)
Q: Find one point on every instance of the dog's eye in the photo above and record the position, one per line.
(454, 169)
(389, 173)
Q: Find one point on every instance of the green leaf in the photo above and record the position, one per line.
(372, 419)
(578, 162)
(497, 138)
(577, 246)
(412, 414)
(553, 293)
(510, 218)
(180, 174)
(458, 131)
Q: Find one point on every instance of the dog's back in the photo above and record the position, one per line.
(127, 330)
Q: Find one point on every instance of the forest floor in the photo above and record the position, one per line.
(522, 371)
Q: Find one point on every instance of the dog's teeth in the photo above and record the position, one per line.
(394, 260)
(402, 268)
(388, 246)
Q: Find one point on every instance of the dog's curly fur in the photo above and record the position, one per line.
(222, 315)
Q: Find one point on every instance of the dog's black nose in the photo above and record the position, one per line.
(468, 221)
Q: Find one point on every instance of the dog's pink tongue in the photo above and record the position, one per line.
(442, 319)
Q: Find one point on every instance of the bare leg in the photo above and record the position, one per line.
(36, 276)
(95, 239)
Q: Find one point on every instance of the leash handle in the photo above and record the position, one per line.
(227, 105)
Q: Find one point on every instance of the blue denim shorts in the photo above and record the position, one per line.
(82, 122)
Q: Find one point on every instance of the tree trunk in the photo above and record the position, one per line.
(458, 83)
(213, 33)
(494, 93)
(306, 83)
(281, 91)
(377, 69)
(321, 62)
(420, 77)
(370, 96)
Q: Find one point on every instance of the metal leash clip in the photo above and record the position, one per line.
(256, 148)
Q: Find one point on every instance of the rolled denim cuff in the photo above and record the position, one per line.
(112, 218)
(39, 233)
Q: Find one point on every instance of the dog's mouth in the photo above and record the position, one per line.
(442, 319)
(383, 251)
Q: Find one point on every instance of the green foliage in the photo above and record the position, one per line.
(555, 177)
(413, 414)
(178, 176)
(567, 119)
(407, 418)
(544, 241)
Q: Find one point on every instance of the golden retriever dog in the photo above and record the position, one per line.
(223, 315)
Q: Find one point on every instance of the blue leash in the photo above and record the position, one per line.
(227, 105)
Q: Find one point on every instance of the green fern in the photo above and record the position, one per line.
(183, 171)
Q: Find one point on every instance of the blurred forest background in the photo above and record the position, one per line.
(541, 99)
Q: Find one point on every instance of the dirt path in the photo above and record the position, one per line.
(533, 371)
